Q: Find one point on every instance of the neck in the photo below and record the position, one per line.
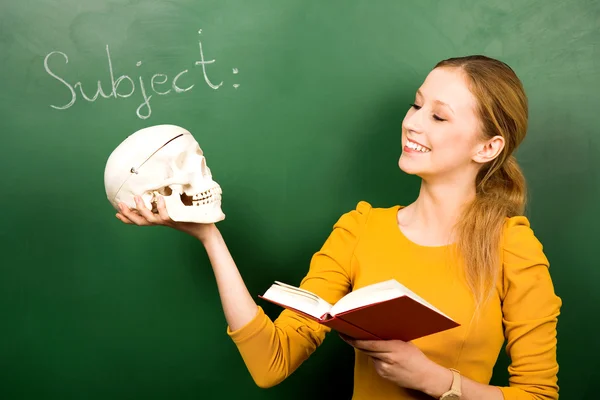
(440, 204)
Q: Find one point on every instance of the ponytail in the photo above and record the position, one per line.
(501, 193)
(500, 186)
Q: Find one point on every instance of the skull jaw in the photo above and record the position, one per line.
(204, 214)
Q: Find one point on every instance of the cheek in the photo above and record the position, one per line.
(451, 148)
(444, 143)
(449, 137)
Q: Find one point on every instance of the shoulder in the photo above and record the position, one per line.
(518, 225)
(525, 274)
(363, 207)
(365, 213)
(519, 239)
(524, 262)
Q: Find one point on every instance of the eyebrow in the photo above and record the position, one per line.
(437, 101)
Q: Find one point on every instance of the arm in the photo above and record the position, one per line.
(238, 305)
(274, 350)
(271, 350)
(530, 308)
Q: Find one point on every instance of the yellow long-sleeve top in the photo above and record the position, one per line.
(366, 247)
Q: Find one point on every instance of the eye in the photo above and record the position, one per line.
(435, 117)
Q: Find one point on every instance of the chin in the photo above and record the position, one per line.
(407, 166)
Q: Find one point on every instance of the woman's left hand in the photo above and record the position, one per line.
(403, 363)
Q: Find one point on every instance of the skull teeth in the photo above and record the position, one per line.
(210, 196)
(208, 201)
(207, 197)
(207, 194)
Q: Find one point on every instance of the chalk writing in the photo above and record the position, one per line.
(159, 83)
(235, 72)
(203, 63)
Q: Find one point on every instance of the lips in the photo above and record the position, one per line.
(416, 146)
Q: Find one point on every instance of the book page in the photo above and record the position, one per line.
(298, 299)
(294, 288)
(376, 293)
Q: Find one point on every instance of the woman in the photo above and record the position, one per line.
(463, 245)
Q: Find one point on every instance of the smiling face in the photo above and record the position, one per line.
(441, 132)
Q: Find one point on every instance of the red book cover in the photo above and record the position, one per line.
(401, 318)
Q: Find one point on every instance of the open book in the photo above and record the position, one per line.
(382, 311)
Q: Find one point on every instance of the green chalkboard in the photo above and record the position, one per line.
(297, 105)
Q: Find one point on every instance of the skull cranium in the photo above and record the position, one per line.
(164, 160)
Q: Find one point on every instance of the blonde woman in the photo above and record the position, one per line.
(463, 244)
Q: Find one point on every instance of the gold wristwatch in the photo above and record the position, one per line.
(454, 393)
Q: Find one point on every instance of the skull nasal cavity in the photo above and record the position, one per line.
(166, 191)
(186, 200)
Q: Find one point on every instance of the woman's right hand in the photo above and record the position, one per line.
(142, 216)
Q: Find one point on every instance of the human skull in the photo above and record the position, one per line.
(164, 160)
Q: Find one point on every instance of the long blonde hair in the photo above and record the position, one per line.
(500, 184)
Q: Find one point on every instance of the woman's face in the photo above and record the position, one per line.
(441, 134)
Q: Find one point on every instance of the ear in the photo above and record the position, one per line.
(488, 150)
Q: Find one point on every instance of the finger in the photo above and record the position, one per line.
(372, 345)
(132, 216)
(123, 218)
(377, 356)
(143, 210)
(163, 214)
(381, 367)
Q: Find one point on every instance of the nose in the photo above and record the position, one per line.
(413, 121)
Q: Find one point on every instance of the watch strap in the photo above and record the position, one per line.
(455, 391)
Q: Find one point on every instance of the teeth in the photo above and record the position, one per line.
(207, 194)
(207, 197)
(418, 147)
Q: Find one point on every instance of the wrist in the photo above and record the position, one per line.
(205, 233)
(436, 381)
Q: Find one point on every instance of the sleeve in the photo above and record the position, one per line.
(530, 310)
(274, 350)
